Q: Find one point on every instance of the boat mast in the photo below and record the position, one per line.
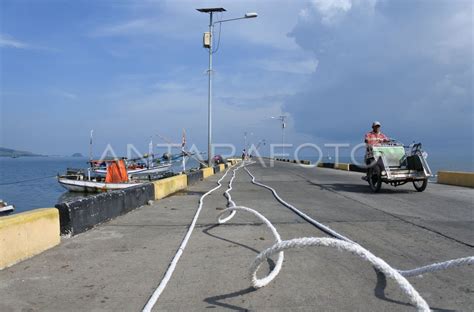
(183, 152)
(150, 153)
(90, 147)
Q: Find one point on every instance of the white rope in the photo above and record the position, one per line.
(438, 266)
(161, 287)
(355, 249)
(321, 226)
(258, 283)
(341, 243)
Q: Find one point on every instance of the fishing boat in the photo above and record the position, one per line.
(116, 178)
(133, 167)
(5, 208)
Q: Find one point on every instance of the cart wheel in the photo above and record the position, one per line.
(420, 186)
(375, 179)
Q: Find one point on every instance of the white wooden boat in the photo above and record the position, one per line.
(5, 207)
(75, 184)
(116, 179)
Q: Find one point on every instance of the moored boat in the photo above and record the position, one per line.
(5, 208)
(91, 186)
(134, 170)
(116, 178)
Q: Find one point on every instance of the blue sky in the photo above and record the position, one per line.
(131, 69)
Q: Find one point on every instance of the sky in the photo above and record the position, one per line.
(133, 69)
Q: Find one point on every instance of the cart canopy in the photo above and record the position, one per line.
(393, 155)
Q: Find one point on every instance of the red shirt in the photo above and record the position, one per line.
(373, 138)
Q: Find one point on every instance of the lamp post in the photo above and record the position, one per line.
(283, 126)
(207, 42)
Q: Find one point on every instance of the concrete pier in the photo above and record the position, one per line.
(117, 265)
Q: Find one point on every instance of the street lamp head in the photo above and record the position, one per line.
(251, 15)
(211, 10)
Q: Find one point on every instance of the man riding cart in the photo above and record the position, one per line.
(391, 162)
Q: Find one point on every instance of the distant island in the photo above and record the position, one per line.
(77, 155)
(8, 152)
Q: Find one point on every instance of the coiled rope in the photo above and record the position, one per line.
(341, 243)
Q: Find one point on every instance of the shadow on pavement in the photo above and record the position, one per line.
(359, 188)
(379, 292)
(215, 300)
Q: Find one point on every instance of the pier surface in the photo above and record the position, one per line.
(117, 265)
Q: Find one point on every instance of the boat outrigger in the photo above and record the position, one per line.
(137, 166)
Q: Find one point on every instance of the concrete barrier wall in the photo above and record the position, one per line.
(233, 161)
(207, 172)
(82, 214)
(194, 177)
(304, 162)
(327, 165)
(169, 186)
(342, 166)
(356, 168)
(221, 167)
(456, 178)
(27, 234)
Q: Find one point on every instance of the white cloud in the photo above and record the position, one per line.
(172, 19)
(329, 9)
(293, 66)
(125, 28)
(7, 41)
(409, 62)
(332, 11)
(64, 94)
(10, 42)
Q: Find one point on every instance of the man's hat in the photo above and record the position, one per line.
(376, 123)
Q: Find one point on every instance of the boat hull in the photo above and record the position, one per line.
(7, 209)
(85, 186)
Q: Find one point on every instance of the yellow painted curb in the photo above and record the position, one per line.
(221, 167)
(234, 160)
(207, 172)
(456, 178)
(169, 186)
(342, 166)
(27, 234)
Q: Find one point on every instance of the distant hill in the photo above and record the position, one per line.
(77, 155)
(8, 152)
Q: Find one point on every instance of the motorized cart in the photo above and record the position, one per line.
(396, 164)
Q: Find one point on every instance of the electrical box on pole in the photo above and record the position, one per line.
(206, 40)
